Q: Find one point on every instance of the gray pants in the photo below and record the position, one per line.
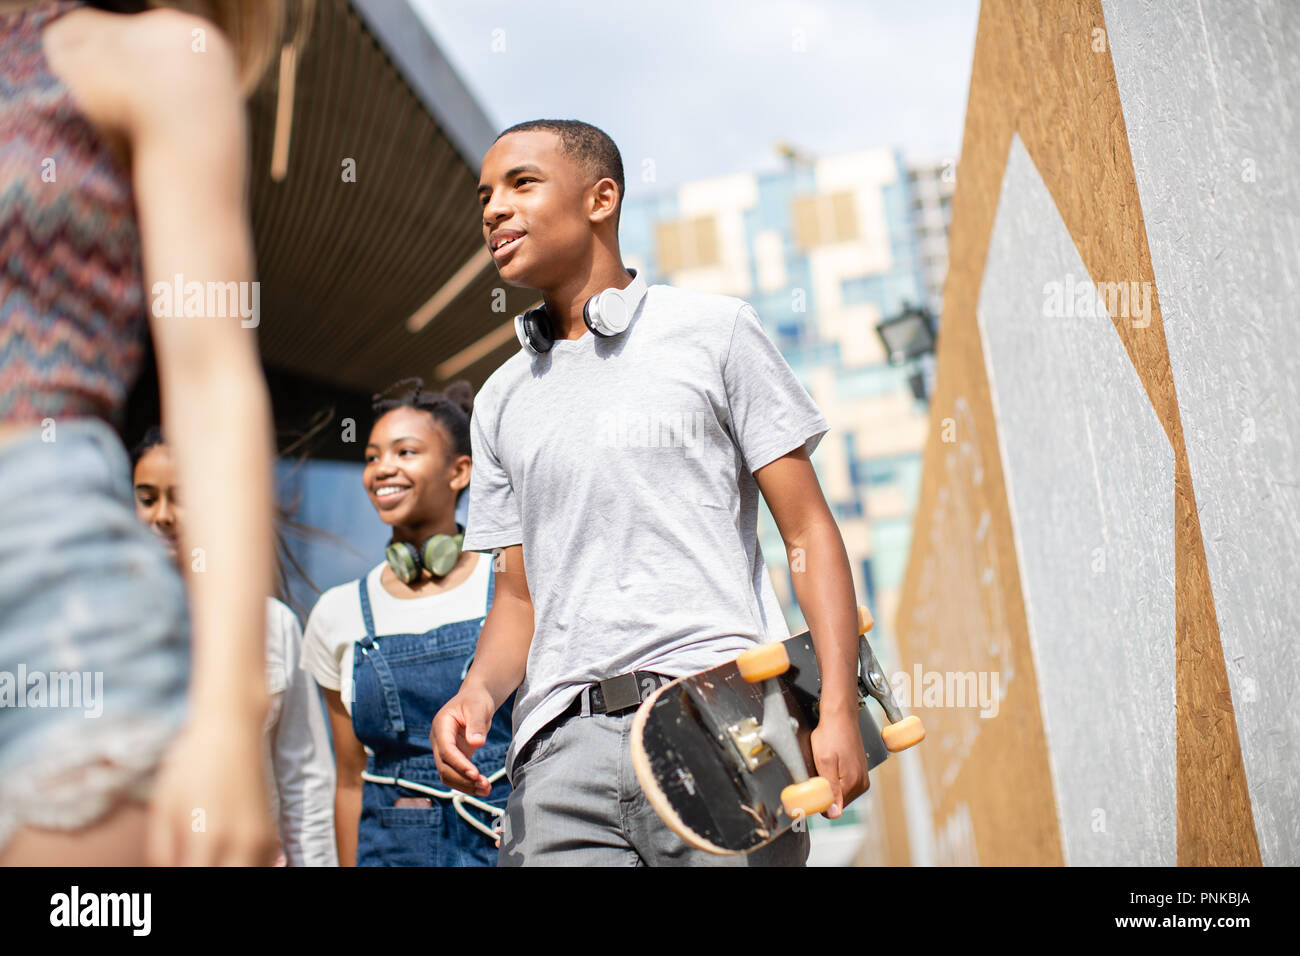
(576, 802)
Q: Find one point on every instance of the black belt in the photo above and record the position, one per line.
(612, 696)
(616, 694)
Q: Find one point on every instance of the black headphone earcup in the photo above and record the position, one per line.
(536, 330)
(404, 559)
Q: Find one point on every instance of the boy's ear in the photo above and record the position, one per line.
(604, 200)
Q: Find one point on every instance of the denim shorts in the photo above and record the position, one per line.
(94, 632)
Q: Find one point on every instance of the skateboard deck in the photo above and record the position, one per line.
(705, 753)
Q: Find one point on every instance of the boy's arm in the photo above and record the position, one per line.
(823, 586)
(500, 660)
(502, 654)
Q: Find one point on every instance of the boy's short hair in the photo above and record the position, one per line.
(590, 147)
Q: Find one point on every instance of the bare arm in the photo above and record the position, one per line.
(181, 114)
(823, 586)
(823, 583)
(350, 760)
(188, 150)
(502, 654)
(500, 661)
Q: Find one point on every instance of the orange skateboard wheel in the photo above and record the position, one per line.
(759, 663)
(865, 621)
(906, 733)
(810, 797)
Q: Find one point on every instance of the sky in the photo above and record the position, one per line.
(703, 88)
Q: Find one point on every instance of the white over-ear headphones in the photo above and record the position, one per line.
(606, 314)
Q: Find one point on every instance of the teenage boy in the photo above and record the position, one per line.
(618, 460)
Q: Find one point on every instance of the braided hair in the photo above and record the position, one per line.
(451, 407)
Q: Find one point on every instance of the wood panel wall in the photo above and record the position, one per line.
(1043, 69)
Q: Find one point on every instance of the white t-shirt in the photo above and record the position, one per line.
(336, 624)
(296, 749)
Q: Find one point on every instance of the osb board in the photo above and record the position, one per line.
(1043, 69)
(1200, 105)
(890, 845)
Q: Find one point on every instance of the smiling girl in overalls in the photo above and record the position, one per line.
(390, 649)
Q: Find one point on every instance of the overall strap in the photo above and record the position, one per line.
(370, 650)
(365, 609)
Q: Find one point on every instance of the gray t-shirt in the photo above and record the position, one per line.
(624, 466)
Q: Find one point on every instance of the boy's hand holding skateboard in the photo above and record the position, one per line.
(839, 755)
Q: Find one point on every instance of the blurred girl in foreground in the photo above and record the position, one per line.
(124, 164)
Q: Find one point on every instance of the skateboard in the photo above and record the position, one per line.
(724, 755)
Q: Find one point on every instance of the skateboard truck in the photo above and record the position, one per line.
(757, 742)
(899, 732)
(747, 738)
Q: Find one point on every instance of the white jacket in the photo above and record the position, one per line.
(299, 761)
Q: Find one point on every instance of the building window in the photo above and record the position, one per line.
(868, 582)
(856, 477)
(789, 335)
(687, 244)
(882, 471)
(890, 539)
(902, 470)
(849, 509)
(821, 220)
(886, 291)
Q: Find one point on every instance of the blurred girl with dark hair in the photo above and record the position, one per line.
(296, 748)
(391, 648)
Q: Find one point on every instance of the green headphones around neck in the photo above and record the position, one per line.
(438, 554)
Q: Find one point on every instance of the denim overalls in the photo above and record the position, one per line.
(400, 681)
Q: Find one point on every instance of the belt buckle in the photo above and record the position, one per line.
(620, 693)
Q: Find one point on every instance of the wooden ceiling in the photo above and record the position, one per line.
(342, 264)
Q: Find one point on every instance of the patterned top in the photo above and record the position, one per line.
(72, 306)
